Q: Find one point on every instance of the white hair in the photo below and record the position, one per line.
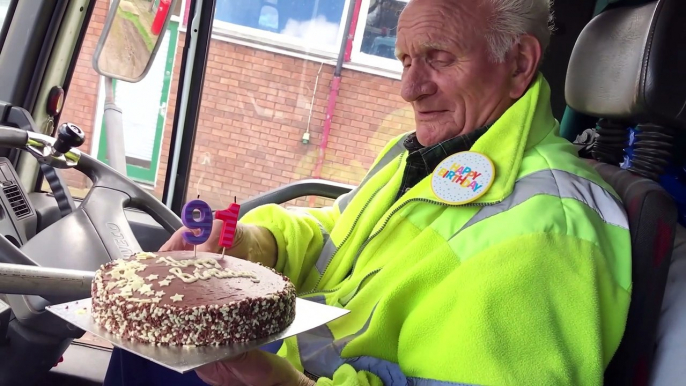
(511, 19)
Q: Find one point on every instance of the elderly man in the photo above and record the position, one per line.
(478, 249)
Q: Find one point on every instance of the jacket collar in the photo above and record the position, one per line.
(520, 128)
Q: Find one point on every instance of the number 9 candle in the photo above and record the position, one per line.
(204, 223)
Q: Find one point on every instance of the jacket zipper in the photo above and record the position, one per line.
(352, 294)
(388, 218)
(346, 299)
(315, 292)
(335, 251)
(350, 232)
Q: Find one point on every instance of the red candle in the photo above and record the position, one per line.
(230, 219)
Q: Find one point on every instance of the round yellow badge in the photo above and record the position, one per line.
(463, 177)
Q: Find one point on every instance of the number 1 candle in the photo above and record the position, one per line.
(230, 218)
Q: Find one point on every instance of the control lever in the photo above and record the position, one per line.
(46, 282)
(68, 136)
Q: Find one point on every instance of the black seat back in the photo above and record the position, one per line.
(652, 220)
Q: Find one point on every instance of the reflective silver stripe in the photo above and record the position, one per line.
(345, 199)
(326, 238)
(392, 153)
(320, 355)
(317, 299)
(327, 253)
(560, 184)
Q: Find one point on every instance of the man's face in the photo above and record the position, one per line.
(449, 78)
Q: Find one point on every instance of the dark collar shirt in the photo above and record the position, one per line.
(422, 161)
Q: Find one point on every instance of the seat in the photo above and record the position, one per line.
(627, 66)
(652, 219)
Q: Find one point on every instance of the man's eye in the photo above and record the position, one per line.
(442, 58)
(407, 62)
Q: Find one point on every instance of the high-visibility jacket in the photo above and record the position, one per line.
(528, 285)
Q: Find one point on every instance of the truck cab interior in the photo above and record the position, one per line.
(616, 70)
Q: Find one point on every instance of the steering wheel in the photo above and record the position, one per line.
(98, 231)
(93, 234)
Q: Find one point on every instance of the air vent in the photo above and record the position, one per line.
(17, 201)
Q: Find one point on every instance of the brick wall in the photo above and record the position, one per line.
(255, 109)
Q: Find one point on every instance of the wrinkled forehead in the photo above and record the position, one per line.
(453, 12)
(440, 25)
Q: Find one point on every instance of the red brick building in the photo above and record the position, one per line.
(259, 101)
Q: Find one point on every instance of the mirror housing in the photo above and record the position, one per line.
(132, 35)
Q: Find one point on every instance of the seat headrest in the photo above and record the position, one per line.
(629, 63)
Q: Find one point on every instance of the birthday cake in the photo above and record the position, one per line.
(178, 298)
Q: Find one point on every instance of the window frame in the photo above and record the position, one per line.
(290, 43)
(393, 66)
(246, 36)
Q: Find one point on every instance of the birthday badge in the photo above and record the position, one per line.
(463, 177)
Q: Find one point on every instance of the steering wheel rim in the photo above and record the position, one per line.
(99, 223)
(103, 176)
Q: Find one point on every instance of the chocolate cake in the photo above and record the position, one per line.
(177, 298)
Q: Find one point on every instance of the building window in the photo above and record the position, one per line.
(376, 34)
(269, 18)
(305, 25)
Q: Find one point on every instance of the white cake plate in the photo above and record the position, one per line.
(182, 359)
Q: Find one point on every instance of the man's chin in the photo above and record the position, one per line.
(429, 136)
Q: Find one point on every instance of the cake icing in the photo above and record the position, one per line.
(180, 298)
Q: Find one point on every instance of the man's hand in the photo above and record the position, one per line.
(177, 243)
(250, 243)
(253, 368)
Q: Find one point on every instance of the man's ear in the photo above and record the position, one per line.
(527, 57)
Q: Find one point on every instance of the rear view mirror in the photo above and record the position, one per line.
(132, 34)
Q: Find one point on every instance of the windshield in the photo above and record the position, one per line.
(269, 98)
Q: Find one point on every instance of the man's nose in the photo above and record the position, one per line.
(417, 83)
